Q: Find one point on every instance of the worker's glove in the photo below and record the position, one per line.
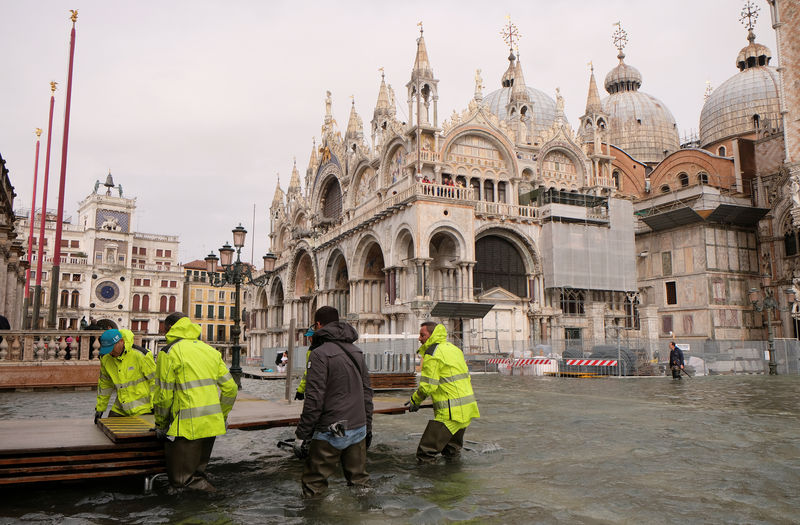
(301, 451)
(97, 416)
(368, 439)
(161, 434)
(299, 396)
(412, 407)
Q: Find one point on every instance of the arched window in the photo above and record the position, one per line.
(572, 302)
(756, 121)
(64, 298)
(145, 303)
(136, 302)
(702, 178)
(475, 184)
(790, 242)
(501, 192)
(162, 304)
(332, 200)
(488, 190)
(499, 264)
(615, 177)
(683, 179)
(172, 303)
(665, 188)
(76, 296)
(721, 151)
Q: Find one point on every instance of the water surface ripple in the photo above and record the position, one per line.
(634, 450)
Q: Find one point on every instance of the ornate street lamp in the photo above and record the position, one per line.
(769, 303)
(236, 273)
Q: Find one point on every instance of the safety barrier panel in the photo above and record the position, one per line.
(591, 362)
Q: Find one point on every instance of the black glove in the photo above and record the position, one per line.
(368, 439)
(97, 416)
(161, 434)
(299, 396)
(301, 451)
(412, 407)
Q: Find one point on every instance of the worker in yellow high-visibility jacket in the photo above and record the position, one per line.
(194, 393)
(128, 370)
(445, 378)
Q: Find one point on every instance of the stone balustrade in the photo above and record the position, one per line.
(51, 346)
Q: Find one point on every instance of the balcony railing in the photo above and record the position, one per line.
(26, 346)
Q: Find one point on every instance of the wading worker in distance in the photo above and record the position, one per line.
(128, 370)
(445, 378)
(189, 410)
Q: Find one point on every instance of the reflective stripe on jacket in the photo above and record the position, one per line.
(445, 378)
(301, 388)
(194, 391)
(131, 376)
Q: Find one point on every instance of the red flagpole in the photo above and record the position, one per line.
(37, 291)
(51, 318)
(31, 220)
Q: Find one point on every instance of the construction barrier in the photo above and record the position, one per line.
(591, 362)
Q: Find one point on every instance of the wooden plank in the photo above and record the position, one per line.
(156, 452)
(128, 428)
(81, 475)
(76, 467)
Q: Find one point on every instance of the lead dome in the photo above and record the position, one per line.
(745, 102)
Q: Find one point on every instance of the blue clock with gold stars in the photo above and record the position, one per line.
(107, 291)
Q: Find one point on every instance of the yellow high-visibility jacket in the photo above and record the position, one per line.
(445, 378)
(301, 388)
(194, 391)
(131, 375)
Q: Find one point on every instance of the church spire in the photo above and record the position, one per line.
(355, 125)
(519, 91)
(422, 66)
(277, 200)
(294, 181)
(593, 104)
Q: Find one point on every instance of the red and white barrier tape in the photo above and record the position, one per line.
(521, 362)
(592, 362)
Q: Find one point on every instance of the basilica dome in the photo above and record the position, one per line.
(744, 102)
(514, 90)
(639, 123)
(544, 107)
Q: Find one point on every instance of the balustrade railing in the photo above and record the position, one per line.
(52, 346)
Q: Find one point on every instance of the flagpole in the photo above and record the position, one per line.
(26, 317)
(51, 318)
(37, 290)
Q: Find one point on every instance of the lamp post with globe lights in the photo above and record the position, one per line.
(236, 273)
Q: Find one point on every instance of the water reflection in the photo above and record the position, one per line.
(713, 449)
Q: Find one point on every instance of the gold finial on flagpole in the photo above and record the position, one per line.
(53, 85)
(74, 15)
(38, 132)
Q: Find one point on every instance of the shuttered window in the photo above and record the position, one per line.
(332, 205)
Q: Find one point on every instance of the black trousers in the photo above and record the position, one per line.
(322, 461)
(187, 460)
(437, 439)
(676, 372)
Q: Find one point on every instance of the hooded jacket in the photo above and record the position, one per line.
(445, 378)
(188, 373)
(131, 376)
(337, 387)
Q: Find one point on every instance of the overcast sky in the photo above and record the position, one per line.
(196, 106)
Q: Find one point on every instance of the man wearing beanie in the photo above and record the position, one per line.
(128, 370)
(336, 423)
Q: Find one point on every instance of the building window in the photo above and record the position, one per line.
(683, 179)
(666, 263)
(76, 296)
(137, 282)
(145, 303)
(74, 244)
(145, 282)
(159, 253)
(198, 311)
(198, 295)
(572, 302)
(702, 178)
(488, 190)
(672, 294)
(211, 311)
(137, 301)
(173, 284)
(64, 298)
(789, 243)
(615, 177)
(572, 338)
(632, 313)
(167, 253)
(721, 151)
(210, 332)
(665, 188)
(666, 324)
(221, 333)
(76, 277)
(221, 312)
(172, 300)
(162, 304)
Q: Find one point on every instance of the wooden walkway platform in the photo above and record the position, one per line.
(42, 450)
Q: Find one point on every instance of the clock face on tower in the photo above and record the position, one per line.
(107, 291)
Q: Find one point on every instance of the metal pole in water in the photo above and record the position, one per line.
(292, 324)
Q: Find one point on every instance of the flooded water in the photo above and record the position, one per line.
(546, 450)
